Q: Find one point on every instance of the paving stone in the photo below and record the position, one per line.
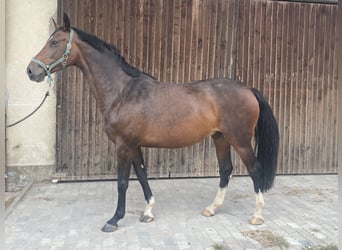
(300, 209)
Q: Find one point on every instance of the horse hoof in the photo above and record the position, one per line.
(256, 221)
(108, 228)
(207, 213)
(146, 218)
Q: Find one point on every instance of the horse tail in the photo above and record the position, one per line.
(266, 142)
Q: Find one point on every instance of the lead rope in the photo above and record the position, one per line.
(36, 109)
(62, 60)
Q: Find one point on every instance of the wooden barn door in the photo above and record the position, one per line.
(278, 47)
(288, 51)
(175, 41)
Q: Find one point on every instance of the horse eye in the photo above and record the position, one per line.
(54, 43)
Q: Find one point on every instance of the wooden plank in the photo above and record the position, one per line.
(176, 35)
(205, 25)
(301, 95)
(311, 108)
(267, 46)
(179, 65)
(282, 84)
(148, 36)
(132, 31)
(194, 39)
(327, 127)
(150, 33)
(319, 89)
(139, 34)
(244, 41)
(164, 40)
(222, 39)
(256, 46)
(304, 84)
(290, 86)
(182, 68)
(315, 90)
(188, 40)
(333, 81)
(334, 88)
(277, 47)
(170, 40)
(212, 39)
(157, 38)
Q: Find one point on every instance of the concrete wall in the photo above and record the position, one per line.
(29, 145)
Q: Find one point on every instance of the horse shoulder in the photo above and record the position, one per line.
(126, 115)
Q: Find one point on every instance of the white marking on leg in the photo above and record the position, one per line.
(149, 207)
(259, 205)
(218, 201)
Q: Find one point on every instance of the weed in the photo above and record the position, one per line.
(220, 246)
(267, 239)
(328, 247)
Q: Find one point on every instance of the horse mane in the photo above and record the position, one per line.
(103, 46)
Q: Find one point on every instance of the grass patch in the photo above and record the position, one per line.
(220, 246)
(9, 201)
(267, 239)
(328, 247)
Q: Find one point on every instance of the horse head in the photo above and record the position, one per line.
(55, 55)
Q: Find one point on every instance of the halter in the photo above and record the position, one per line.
(62, 60)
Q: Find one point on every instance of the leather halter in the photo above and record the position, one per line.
(62, 60)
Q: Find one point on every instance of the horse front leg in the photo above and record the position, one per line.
(124, 169)
(140, 170)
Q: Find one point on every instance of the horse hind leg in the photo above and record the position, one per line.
(257, 218)
(226, 168)
(255, 171)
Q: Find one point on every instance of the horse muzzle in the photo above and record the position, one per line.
(35, 72)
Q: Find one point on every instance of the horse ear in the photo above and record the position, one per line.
(66, 25)
(55, 24)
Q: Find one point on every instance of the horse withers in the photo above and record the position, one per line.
(139, 111)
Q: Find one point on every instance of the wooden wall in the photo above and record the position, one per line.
(287, 50)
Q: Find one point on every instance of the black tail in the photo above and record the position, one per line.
(267, 142)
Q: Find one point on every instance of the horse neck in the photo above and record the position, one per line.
(104, 74)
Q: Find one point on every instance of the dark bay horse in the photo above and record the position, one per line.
(139, 111)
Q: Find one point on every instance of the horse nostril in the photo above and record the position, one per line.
(29, 71)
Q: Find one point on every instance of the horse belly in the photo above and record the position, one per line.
(171, 141)
(176, 135)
